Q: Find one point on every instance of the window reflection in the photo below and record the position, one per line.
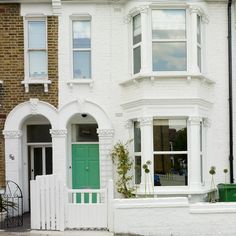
(171, 170)
(168, 24)
(169, 56)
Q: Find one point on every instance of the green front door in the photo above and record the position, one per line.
(85, 167)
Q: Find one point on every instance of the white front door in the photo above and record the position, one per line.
(40, 161)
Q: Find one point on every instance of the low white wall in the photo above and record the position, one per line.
(173, 217)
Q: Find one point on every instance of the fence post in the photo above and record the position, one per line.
(62, 206)
(110, 197)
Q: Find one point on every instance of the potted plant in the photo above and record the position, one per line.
(5, 205)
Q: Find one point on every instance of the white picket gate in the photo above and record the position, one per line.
(47, 203)
(89, 212)
(55, 207)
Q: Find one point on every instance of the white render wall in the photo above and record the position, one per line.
(176, 217)
(111, 65)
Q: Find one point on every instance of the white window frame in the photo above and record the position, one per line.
(185, 40)
(173, 152)
(34, 80)
(80, 17)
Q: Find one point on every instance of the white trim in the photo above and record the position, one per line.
(27, 79)
(169, 152)
(84, 142)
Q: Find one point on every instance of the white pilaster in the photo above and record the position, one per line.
(13, 156)
(105, 146)
(59, 153)
(146, 126)
(194, 171)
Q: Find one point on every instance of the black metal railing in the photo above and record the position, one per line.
(11, 206)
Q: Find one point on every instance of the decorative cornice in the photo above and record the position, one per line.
(146, 121)
(12, 134)
(105, 132)
(34, 106)
(198, 10)
(168, 101)
(207, 122)
(58, 133)
(129, 124)
(194, 120)
(134, 11)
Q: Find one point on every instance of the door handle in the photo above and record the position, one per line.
(86, 168)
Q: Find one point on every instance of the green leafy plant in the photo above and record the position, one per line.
(5, 204)
(120, 157)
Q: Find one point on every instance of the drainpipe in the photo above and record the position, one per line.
(231, 157)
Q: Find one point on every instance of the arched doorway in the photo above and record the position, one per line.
(28, 143)
(84, 151)
(37, 152)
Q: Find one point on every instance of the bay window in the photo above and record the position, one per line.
(167, 40)
(81, 30)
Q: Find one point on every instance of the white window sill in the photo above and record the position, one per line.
(166, 75)
(43, 81)
(73, 82)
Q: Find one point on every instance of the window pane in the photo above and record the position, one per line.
(37, 64)
(37, 34)
(199, 29)
(171, 170)
(39, 134)
(38, 162)
(170, 135)
(137, 59)
(137, 137)
(48, 157)
(171, 56)
(81, 34)
(138, 170)
(137, 36)
(199, 57)
(84, 133)
(82, 64)
(168, 24)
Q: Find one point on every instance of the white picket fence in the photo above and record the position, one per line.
(55, 207)
(47, 203)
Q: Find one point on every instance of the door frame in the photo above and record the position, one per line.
(38, 145)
